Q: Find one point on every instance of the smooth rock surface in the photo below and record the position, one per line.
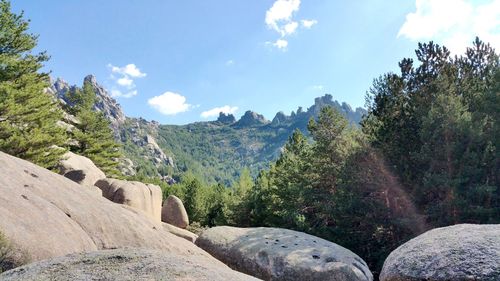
(46, 215)
(125, 264)
(80, 169)
(174, 213)
(143, 197)
(281, 254)
(188, 235)
(459, 252)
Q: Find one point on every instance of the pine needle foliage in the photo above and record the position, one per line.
(28, 115)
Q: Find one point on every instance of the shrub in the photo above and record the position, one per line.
(10, 257)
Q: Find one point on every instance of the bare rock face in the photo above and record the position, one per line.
(159, 157)
(281, 254)
(81, 170)
(226, 118)
(125, 264)
(251, 118)
(46, 215)
(183, 233)
(174, 213)
(458, 252)
(144, 197)
(106, 104)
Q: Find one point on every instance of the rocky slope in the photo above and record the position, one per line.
(105, 103)
(46, 215)
(49, 215)
(217, 150)
(137, 135)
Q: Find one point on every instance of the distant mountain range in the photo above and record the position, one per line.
(214, 150)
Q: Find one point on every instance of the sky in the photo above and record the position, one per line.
(179, 62)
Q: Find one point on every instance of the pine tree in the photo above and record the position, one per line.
(290, 179)
(94, 135)
(437, 125)
(193, 197)
(239, 203)
(217, 209)
(257, 200)
(28, 115)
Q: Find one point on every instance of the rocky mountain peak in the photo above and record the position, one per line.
(91, 79)
(104, 102)
(280, 118)
(251, 118)
(60, 85)
(226, 118)
(327, 100)
(58, 89)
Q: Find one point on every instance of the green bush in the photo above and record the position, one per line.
(9, 257)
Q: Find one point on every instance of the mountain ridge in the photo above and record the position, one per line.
(216, 150)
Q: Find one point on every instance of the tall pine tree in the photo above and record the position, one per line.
(93, 134)
(28, 115)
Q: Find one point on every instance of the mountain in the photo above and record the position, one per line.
(219, 150)
(105, 103)
(137, 136)
(215, 150)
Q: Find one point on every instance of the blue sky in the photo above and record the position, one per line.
(183, 61)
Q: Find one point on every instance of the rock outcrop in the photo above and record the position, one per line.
(106, 104)
(280, 254)
(47, 215)
(226, 118)
(280, 118)
(81, 170)
(188, 235)
(144, 134)
(144, 197)
(159, 157)
(174, 213)
(251, 118)
(459, 252)
(125, 264)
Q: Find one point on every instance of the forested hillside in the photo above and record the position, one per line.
(217, 151)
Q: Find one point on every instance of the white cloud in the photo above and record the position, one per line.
(169, 103)
(118, 94)
(125, 82)
(453, 23)
(214, 112)
(280, 19)
(308, 23)
(281, 10)
(229, 62)
(128, 70)
(280, 44)
(125, 79)
(290, 28)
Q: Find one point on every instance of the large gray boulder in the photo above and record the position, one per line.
(125, 264)
(80, 169)
(143, 197)
(459, 252)
(281, 254)
(174, 213)
(46, 215)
